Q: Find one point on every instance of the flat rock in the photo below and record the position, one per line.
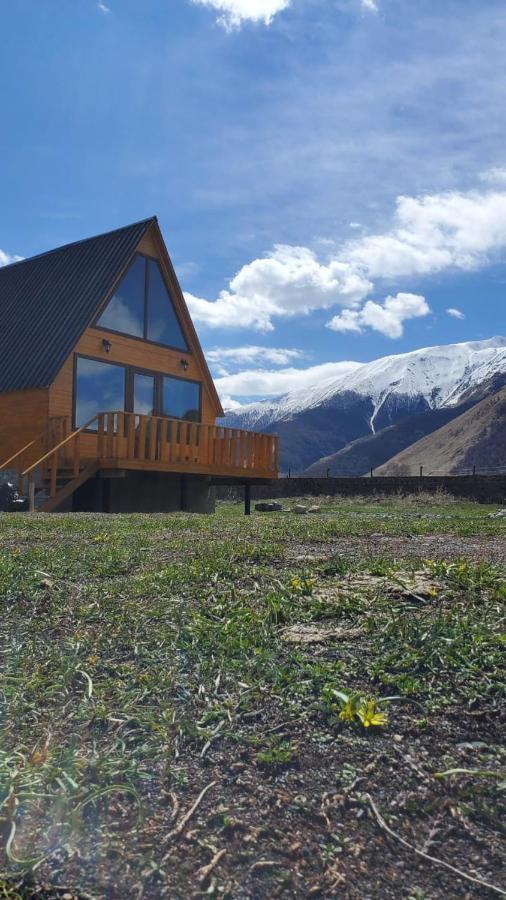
(498, 514)
(314, 509)
(299, 509)
(268, 506)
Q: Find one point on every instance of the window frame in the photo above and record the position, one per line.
(134, 337)
(187, 381)
(106, 362)
(128, 400)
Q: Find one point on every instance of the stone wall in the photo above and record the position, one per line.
(481, 488)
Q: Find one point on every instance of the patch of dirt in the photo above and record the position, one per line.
(313, 634)
(474, 548)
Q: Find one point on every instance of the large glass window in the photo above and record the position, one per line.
(142, 307)
(163, 324)
(181, 399)
(100, 387)
(144, 394)
(125, 311)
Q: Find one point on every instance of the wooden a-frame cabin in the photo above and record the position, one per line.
(106, 400)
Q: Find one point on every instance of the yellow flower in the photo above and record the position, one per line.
(92, 659)
(369, 715)
(296, 582)
(347, 713)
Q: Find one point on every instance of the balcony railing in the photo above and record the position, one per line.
(130, 437)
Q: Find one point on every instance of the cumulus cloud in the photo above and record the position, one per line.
(271, 383)
(103, 7)
(289, 281)
(370, 5)
(455, 313)
(428, 234)
(6, 259)
(388, 318)
(232, 13)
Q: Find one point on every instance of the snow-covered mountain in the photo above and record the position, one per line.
(321, 418)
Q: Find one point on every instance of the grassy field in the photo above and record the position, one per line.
(281, 706)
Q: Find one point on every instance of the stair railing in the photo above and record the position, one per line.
(56, 430)
(49, 462)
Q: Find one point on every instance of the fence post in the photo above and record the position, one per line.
(372, 472)
(421, 471)
(474, 470)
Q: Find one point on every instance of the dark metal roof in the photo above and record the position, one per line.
(47, 301)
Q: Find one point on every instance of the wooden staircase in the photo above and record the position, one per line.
(52, 477)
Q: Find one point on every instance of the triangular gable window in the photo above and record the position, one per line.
(142, 307)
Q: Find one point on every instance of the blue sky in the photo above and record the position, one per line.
(329, 175)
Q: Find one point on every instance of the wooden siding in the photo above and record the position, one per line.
(23, 415)
(130, 352)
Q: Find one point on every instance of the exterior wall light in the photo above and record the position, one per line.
(184, 364)
(106, 345)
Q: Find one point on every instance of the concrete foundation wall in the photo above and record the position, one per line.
(145, 492)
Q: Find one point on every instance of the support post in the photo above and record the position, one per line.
(247, 498)
(31, 494)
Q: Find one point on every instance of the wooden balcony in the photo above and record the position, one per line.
(133, 441)
(57, 462)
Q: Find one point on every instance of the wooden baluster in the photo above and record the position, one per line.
(276, 454)
(164, 443)
(153, 439)
(242, 449)
(111, 435)
(174, 440)
(220, 447)
(225, 448)
(251, 450)
(141, 434)
(232, 446)
(204, 445)
(120, 436)
(171, 441)
(263, 451)
(189, 441)
(100, 438)
(130, 435)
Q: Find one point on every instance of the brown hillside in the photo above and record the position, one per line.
(476, 438)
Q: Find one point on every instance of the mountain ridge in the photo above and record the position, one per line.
(321, 419)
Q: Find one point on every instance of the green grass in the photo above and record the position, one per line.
(135, 648)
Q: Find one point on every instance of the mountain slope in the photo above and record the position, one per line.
(366, 453)
(323, 418)
(476, 438)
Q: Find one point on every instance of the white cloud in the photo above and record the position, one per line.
(370, 5)
(289, 281)
(270, 383)
(429, 234)
(103, 7)
(232, 13)
(455, 313)
(495, 175)
(6, 259)
(252, 354)
(387, 318)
